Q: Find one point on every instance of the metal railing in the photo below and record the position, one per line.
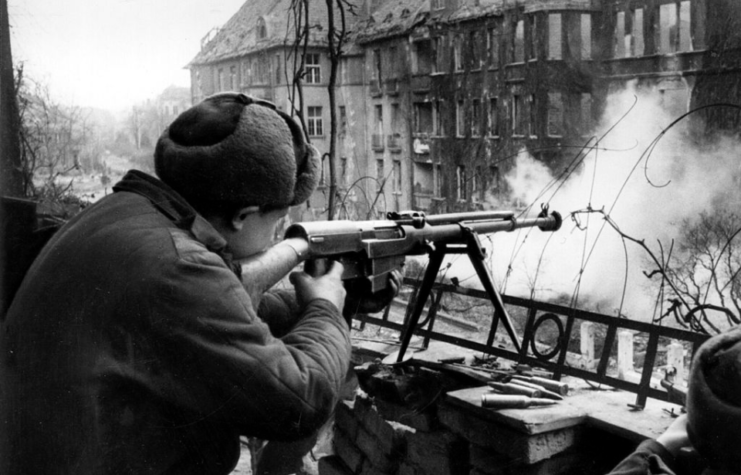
(555, 358)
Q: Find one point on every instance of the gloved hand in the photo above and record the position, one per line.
(327, 286)
(360, 299)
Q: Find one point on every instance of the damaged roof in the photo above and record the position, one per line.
(392, 18)
(239, 36)
(389, 18)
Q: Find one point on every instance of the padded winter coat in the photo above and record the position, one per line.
(132, 348)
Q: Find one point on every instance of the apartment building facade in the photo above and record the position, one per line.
(437, 97)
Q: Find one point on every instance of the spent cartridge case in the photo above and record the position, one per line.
(549, 384)
(512, 388)
(512, 401)
(544, 392)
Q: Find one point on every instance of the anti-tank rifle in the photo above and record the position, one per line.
(370, 250)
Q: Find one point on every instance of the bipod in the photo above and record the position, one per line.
(476, 254)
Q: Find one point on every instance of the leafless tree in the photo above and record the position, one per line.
(55, 139)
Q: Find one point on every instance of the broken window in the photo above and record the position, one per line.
(422, 58)
(555, 36)
(457, 53)
(533, 109)
(532, 50)
(423, 118)
(492, 46)
(555, 114)
(397, 176)
(475, 49)
(674, 21)
(518, 115)
(477, 191)
(437, 173)
(314, 121)
(460, 119)
(394, 138)
(377, 139)
(586, 36)
(437, 119)
(423, 179)
(639, 45)
(437, 54)
(518, 42)
(476, 118)
(376, 68)
(493, 117)
(460, 179)
(492, 182)
(619, 39)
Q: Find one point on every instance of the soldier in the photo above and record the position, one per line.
(705, 440)
(132, 345)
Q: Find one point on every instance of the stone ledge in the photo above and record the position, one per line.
(515, 444)
(535, 420)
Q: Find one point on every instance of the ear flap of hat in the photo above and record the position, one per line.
(714, 401)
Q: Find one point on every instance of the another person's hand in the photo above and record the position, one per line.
(327, 286)
(360, 300)
(675, 437)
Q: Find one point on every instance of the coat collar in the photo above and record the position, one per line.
(171, 204)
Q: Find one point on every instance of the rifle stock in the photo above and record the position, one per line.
(372, 249)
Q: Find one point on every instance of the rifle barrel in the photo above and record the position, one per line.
(450, 218)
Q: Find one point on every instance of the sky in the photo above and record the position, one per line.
(111, 54)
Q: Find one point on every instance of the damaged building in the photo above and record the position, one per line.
(435, 98)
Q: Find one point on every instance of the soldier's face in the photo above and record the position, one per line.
(253, 231)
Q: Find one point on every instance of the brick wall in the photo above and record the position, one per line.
(376, 436)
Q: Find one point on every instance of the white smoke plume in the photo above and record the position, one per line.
(647, 196)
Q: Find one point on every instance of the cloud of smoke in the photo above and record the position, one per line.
(646, 195)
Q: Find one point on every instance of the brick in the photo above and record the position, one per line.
(347, 451)
(332, 465)
(519, 446)
(438, 453)
(345, 420)
(424, 421)
(369, 446)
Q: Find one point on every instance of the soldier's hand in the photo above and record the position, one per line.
(327, 286)
(675, 437)
(360, 300)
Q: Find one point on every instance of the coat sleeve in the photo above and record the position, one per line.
(279, 310)
(217, 360)
(649, 458)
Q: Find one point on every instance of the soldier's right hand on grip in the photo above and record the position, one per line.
(327, 286)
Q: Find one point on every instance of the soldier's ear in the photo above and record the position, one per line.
(242, 215)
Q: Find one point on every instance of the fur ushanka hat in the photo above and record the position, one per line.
(232, 148)
(714, 401)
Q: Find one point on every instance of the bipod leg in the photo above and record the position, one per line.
(436, 260)
(476, 254)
